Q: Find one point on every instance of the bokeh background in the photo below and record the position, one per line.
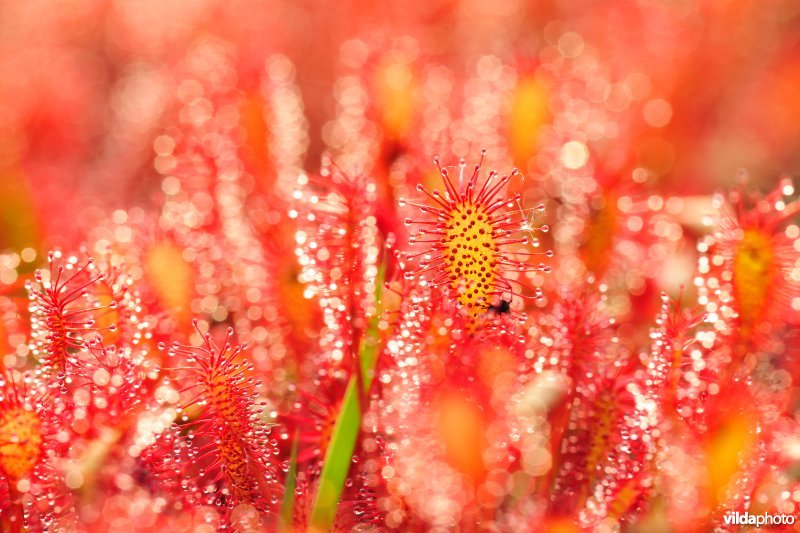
(176, 131)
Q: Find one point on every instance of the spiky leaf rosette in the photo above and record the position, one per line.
(467, 243)
(65, 313)
(749, 276)
(338, 248)
(600, 402)
(692, 372)
(90, 333)
(218, 451)
(109, 376)
(617, 412)
(31, 443)
(567, 335)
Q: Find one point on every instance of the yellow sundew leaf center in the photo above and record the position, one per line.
(470, 253)
(20, 442)
(234, 461)
(624, 499)
(170, 275)
(601, 434)
(220, 397)
(752, 274)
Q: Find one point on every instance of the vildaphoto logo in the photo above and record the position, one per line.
(758, 520)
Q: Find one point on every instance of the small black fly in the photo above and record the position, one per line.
(502, 307)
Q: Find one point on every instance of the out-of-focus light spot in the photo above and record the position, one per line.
(655, 203)
(171, 185)
(574, 155)
(164, 145)
(674, 205)
(639, 175)
(635, 223)
(7, 277)
(123, 234)
(570, 44)
(73, 479)
(28, 255)
(639, 85)
(101, 377)
(280, 67)
(657, 113)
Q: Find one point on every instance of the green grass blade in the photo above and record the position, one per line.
(368, 355)
(286, 520)
(337, 460)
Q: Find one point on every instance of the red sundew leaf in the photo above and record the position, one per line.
(466, 243)
(63, 313)
(748, 279)
(609, 449)
(91, 341)
(31, 419)
(338, 246)
(219, 451)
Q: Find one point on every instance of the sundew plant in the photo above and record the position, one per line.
(429, 267)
